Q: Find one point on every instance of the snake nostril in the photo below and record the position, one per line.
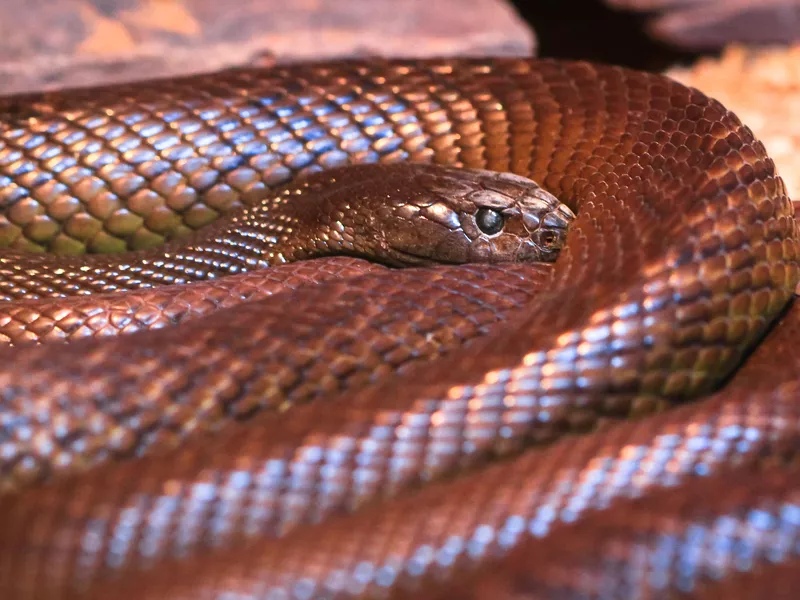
(489, 220)
(549, 239)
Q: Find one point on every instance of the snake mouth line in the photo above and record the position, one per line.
(414, 259)
(393, 259)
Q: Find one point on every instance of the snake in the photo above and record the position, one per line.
(619, 421)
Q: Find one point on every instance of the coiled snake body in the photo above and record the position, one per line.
(682, 255)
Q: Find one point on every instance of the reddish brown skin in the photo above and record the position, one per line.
(400, 215)
(99, 315)
(683, 254)
(397, 214)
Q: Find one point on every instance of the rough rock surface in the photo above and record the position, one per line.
(81, 42)
(707, 24)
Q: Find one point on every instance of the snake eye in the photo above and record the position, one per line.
(489, 221)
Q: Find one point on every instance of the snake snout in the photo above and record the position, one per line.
(547, 230)
(544, 223)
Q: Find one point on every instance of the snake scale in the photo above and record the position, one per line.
(622, 423)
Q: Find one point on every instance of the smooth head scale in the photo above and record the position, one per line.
(412, 214)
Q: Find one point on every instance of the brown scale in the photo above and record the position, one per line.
(397, 214)
(272, 362)
(683, 253)
(97, 315)
(670, 543)
(172, 526)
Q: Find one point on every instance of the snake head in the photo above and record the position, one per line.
(452, 215)
(514, 220)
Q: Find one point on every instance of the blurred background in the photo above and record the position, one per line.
(61, 42)
(742, 52)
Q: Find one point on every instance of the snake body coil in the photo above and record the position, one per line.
(683, 253)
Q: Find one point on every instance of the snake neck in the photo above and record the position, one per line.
(274, 232)
(289, 225)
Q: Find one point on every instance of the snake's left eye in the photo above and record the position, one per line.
(489, 220)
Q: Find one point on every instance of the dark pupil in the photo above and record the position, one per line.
(489, 220)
